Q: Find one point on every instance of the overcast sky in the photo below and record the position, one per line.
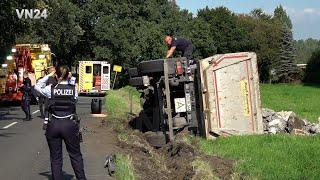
(304, 14)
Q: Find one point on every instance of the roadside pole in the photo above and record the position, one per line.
(114, 79)
(116, 68)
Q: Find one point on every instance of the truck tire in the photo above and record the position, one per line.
(153, 66)
(156, 139)
(133, 72)
(96, 106)
(156, 66)
(136, 81)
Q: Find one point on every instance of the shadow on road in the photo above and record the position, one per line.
(6, 134)
(47, 174)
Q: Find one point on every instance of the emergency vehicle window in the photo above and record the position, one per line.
(105, 70)
(88, 69)
(97, 69)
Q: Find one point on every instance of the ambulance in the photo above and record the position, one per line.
(94, 78)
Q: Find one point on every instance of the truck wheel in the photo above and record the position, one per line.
(156, 139)
(133, 72)
(136, 81)
(96, 106)
(152, 66)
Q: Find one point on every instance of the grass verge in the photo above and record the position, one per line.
(118, 102)
(301, 99)
(258, 157)
(124, 168)
(269, 157)
(276, 156)
(118, 108)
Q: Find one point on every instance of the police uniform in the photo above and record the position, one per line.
(41, 103)
(26, 98)
(183, 45)
(62, 107)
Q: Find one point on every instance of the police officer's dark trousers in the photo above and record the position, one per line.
(68, 131)
(42, 105)
(188, 52)
(26, 105)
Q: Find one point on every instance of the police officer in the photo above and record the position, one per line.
(62, 108)
(179, 44)
(26, 98)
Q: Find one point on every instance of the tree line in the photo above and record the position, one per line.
(126, 32)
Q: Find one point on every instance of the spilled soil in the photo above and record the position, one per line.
(173, 161)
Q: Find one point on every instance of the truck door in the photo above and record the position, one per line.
(88, 77)
(105, 77)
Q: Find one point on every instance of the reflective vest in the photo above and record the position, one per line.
(62, 102)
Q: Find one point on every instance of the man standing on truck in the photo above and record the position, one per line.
(179, 44)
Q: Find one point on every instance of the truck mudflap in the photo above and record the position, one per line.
(230, 95)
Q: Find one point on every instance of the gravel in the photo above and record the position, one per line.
(287, 122)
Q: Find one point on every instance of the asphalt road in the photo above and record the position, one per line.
(24, 152)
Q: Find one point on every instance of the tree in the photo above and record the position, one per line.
(261, 35)
(313, 68)
(304, 49)
(223, 29)
(202, 39)
(10, 25)
(281, 15)
(286, 70)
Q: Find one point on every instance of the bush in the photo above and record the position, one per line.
(313, 68)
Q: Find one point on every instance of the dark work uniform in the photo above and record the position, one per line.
(26, 98)
(41, 103)
(183, 45)
(53, 81)
(61, 107)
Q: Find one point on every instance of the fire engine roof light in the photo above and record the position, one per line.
(13, 50)
(4, 65)
(9, 57)
(41, 56)
(45, 48)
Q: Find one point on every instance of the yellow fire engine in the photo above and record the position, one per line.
(24, 57)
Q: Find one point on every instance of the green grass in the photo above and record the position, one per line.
(276, 156)
(304, 100)
(269, 157)
(118, 102)
(124, 168)
(118, 108)
(257, 157)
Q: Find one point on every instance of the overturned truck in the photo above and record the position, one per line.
(216, 96)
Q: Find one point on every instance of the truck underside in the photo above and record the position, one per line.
(169, 98)
(216, 96)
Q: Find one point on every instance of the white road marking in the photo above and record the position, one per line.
(6, 127)
(36, 111)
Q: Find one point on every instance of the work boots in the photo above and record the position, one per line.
(28, 118)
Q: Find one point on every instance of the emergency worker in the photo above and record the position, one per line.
(52, 81)
(61, 126)
(26, 98)
(179, 44)
(42, 98)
